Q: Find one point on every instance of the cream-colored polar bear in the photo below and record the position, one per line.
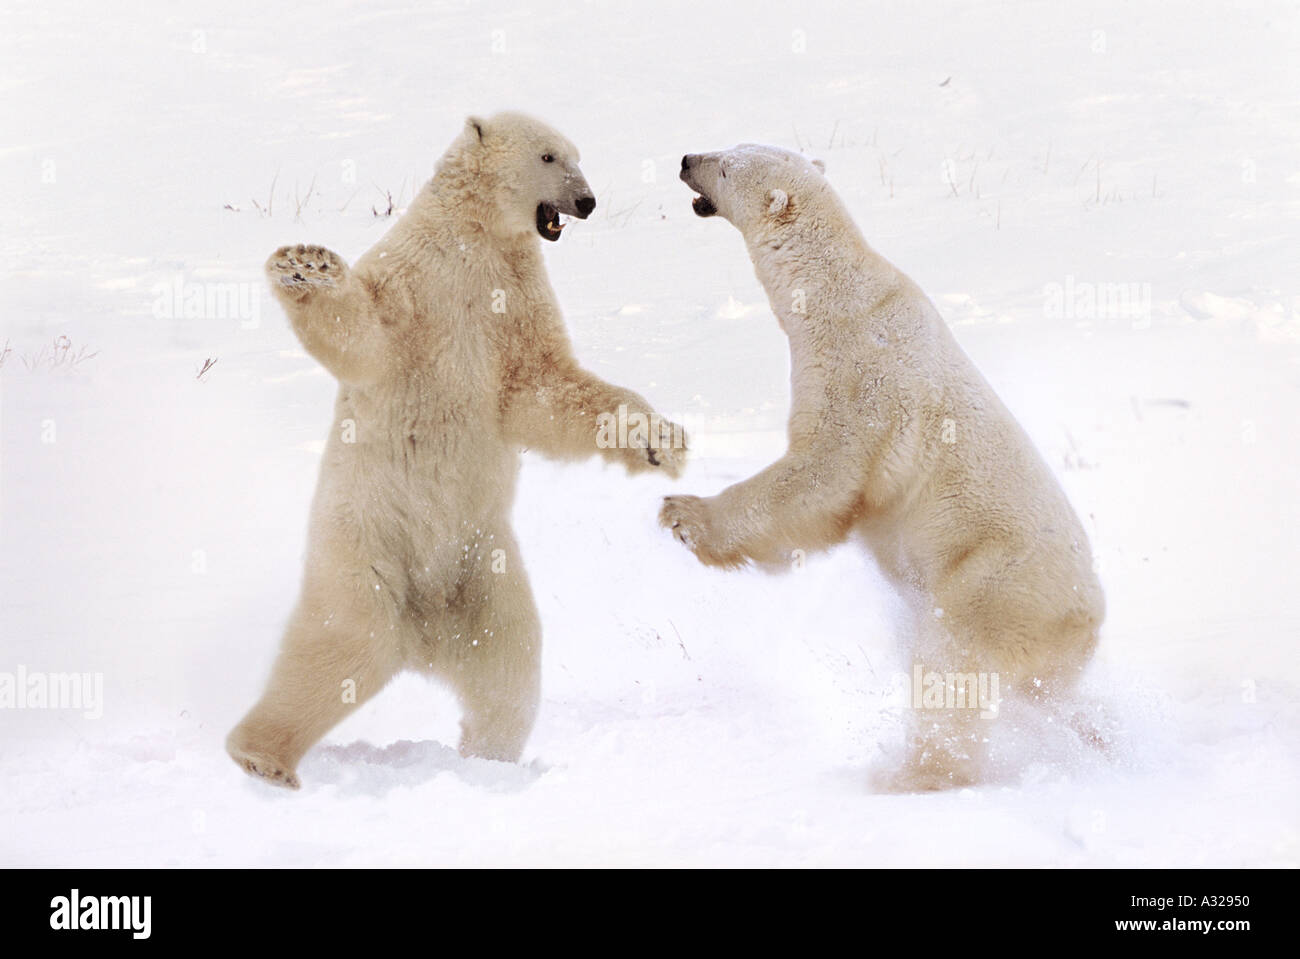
(895, 436)
(451, 355)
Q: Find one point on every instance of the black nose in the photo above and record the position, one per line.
(586, 205)
(688, 160)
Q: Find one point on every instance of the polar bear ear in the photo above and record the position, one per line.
(476, 124)
(820, 164)
(779, 201)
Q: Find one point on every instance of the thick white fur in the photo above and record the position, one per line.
(896, 438)
(411, 561)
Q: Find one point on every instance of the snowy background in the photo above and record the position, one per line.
(152, 522)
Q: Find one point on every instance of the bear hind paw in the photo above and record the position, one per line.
(265, 769)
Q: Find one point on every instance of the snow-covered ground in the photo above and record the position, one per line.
(152, 521)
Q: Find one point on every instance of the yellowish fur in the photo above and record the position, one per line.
(451, 355)
(896, 438)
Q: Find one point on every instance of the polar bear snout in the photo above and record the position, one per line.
(549, 225)
(692, 173)
(575, 200)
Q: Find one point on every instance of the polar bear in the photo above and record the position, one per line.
(896, 438)
(451, 355)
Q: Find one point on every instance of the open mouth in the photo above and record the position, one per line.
(703, 206)
(549, 226)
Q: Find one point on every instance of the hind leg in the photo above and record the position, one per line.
(966, 671)
(338, 651)
(1055, 683)
(942, 753)
(494, 667)
(955, 692)
(946, 745)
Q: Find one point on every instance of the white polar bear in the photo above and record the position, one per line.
(895, 436)
(451, 354)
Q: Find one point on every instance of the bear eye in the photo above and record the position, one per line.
(547, 158)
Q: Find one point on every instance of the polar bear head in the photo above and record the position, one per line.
(756, 188)
(523, 173)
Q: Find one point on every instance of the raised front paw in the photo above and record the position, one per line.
(691, 521)
(298, 271)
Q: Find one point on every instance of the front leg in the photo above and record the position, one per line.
(568, 413)
(330, 311)
(806, 500)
